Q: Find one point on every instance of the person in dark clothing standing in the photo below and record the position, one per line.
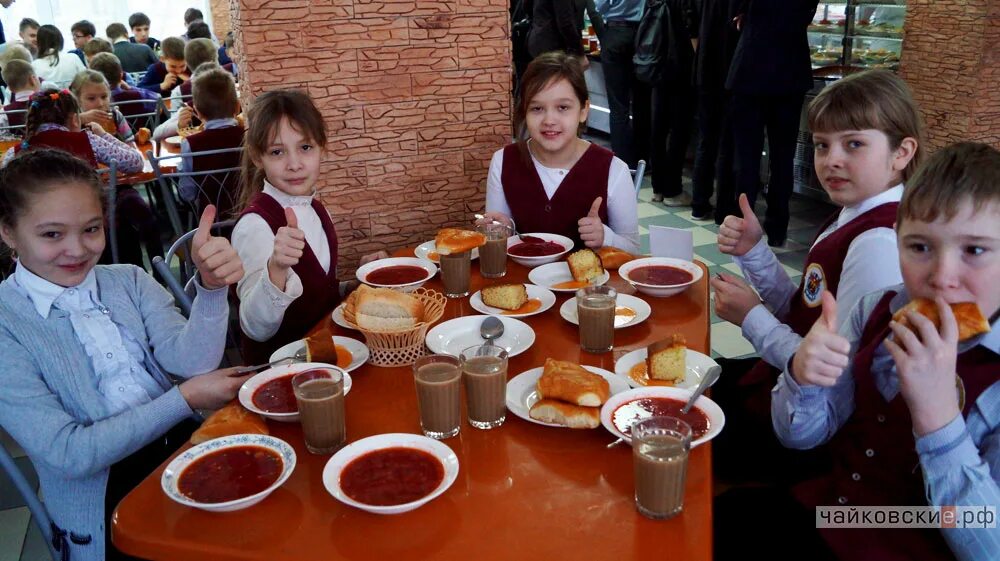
(769, 76)
(555, 26)
(626, 94)
(717, 37)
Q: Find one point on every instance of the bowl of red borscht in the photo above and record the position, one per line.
(402, 273)
(390, 473)
(623, 409)
(269, 393)
(532, 250)
(660, 276)
(228, 473)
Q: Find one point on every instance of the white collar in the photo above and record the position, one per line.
(220, 123)
(849, 213)
(284, 199)
(122, 41)
(24, 95)
(43, 293)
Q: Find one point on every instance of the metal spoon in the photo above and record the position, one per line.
(299, 356)
(492, 328)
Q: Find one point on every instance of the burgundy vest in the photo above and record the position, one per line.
(221, 190)
(320, 290)
(16, 119)
(76, 143)
(821, 272)
(875, 458)
(130, 109)
(531, 208)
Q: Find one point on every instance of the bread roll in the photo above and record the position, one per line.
(505, 296)
(967, 314)
(612, 257)
(585, 265)
(231, 419)
(572, 383)
(453, 240)
(384, 309)
(572, 416)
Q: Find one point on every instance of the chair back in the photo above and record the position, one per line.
(110, 176)
(140, 112)
(180, 285)
(136, 76)
(216, 184)
(13, 130)
(637, 173)
(58, 547)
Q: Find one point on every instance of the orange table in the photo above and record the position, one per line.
(524, 491)
(147, 174)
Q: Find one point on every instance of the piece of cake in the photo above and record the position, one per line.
(572, 383)
(567, 414)
(585, 265)
(320, 348)
(505, 296)
(969, 318)
(665, 359)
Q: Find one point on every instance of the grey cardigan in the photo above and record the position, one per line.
(49, 400)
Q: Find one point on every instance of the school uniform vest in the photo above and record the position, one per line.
(221, 190)
(76, 143)
(16, 119)
(875, 458)
(130, 109)
(531, 208)
(822, 269)
(320, 289)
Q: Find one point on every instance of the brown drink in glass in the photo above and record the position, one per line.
(595, 308)
(493, 255)
(455, 273)
(438, 379)
(484, 370)
(320, 397)
(660, 447)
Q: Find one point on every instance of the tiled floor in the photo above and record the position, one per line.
(21, 541)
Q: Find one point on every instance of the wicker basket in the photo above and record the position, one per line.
(403, 348)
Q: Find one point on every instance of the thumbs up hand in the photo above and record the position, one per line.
(590, 226)
(217, 262)
(824, 353)
(289, 244)
(738, 235)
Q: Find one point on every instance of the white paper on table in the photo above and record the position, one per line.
(671, 242)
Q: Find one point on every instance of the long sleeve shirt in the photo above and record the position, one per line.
(960, 461)
(872, 263)
(622, 230)
(620, 10)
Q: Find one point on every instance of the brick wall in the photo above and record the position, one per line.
(415, 94)
(221, 23)
(951, 59)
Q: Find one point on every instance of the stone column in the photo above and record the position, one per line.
(951, 59)
(221, 23)
(416, 98)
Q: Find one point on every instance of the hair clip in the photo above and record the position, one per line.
(54, 96)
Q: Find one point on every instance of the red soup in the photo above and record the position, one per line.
(276, 396)
(397, 274)
(645, 407)
(540, 248)
(230, 474)
(660, 275)
(392, 476)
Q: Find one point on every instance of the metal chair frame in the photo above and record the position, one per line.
(169, 181)
(148, 119)
(637, 173)
(112, 178)
(13, 130)
(57, 544)
(182, 288)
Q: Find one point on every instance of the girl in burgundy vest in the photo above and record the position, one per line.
(284, 235)
(867, 133)
(556, 182)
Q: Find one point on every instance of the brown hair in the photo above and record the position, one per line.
(214, 93)
(49, 106)
(50, 42)
(172, 48)
(199, 51)
(96, 46)
(545, 70)
(263, 118)
(15, 51)
(37, 171)
(959, 173)
(109, 66)
(874, 99)
(17, 74)
(116, 30)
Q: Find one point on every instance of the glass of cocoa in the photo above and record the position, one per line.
(493, 254)
(320, 396)
(438, 379)
(595, 308)
(456, 273)
(660, 447)
(484, 371)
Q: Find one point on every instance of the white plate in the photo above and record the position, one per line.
(339, 319)
(658, 289)
(429, 266)
(455, 335)
(716, 419)
(642, 311)
(522, 393)
(541, 259)
(424, 250)
(254, 382)
(359, 351)
(547, 297)
(173, 471)
(336, 465)
(555, 273)
(696, 366)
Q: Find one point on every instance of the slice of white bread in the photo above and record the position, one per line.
(572, 383)
(665, 359)
(505, 296)
(585, 265)
(567, 414)
(384, 309)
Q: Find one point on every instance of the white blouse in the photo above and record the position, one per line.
(62, 73)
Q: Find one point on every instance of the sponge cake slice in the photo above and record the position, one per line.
(505, 296)
(665, 359)
(585, 265)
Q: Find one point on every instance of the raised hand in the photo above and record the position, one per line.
(169, 81)
(289, 244)
(490, 217)
(590, 226)
(218, 263)
(926, 365)
(738, 235)
(824, 353)
(212, 390)
(733, 298)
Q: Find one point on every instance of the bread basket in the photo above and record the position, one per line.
(403, 348)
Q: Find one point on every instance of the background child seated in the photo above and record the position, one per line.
(139, 24)
(92, 90)
(109, 66)
(170, 72)
(196, 52)
(134, 57)
(52, 65)
(9, 52)
(22, 81)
